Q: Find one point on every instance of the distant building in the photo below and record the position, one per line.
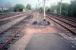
(3, 9)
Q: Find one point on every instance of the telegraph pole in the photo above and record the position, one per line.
(37, 10)
(44, 9)
(60, 7)
(41, 21)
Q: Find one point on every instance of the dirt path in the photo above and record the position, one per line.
(28, 33)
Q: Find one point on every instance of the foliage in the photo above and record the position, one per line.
(19, 7)
(66, 9)
(28, 7)
(72, 7)
(41, 9)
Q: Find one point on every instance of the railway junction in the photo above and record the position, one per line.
(23, 32)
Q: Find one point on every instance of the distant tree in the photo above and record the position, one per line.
(19, 7)
(47, 9)
(64, 9)
(41, 9)
(28, 7)
(54, 7)
(72, 10)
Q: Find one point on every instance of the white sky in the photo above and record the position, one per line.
(48, 2)
(34, 2)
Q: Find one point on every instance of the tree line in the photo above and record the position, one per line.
(16, 8)
(66, 9)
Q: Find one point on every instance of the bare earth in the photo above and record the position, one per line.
(29, 31)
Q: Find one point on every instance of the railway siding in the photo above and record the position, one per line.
(10, 24)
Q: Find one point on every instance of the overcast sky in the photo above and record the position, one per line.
(32, 2)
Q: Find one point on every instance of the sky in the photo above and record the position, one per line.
(33, 3)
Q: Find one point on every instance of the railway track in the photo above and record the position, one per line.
(6, 20)
(68, 26)
(10, 23)
(69, 18)
(72, 19)
(7, 15)
(72, 24)
(6, 31)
